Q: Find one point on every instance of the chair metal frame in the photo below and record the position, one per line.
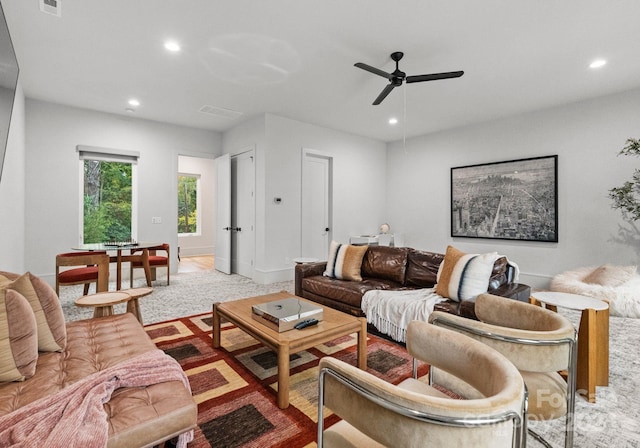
(571, 370)
(414, 414)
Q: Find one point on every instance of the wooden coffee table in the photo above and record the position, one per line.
(334, 324)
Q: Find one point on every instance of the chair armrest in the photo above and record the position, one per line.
(303, 270)
(360, 398)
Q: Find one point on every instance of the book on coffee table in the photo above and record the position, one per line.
(283, 315)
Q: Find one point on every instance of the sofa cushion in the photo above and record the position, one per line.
(93, 345)
(463, 276)
(18, 337)
(52, 335)
(344, 261)
(347, 292)
(383, 262)
(422, 268)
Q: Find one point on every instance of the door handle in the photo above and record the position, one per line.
(326, 229)
(226, 228)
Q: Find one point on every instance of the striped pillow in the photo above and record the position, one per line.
(345, 261)
(464, 276)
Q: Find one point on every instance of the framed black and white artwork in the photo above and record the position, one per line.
(511, 200)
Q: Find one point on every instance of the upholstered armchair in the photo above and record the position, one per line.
(94, 268)
(539, 342)
(415, 414)
(156, 260)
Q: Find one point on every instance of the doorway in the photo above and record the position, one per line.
(196, 221)
(317, 204)
(235, 217)
(243, 213)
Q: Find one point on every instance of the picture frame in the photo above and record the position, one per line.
(509, 200)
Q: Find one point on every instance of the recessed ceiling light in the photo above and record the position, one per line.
(172, 46)
(134, 102)
(597, 63)
(393, 120)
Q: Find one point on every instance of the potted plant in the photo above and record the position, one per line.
(627, 197)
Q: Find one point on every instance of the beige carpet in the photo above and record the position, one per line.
(189, 294)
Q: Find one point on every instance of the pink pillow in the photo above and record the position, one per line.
(52, 332)
(18, 337)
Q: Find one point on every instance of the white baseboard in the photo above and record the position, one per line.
(536, 281)
(265, 277)
(195, 251)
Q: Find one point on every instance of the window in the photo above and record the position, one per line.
(188, 198)
(108, 204)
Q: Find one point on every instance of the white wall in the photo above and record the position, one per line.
(52, 167)
(12, 192)
(359, 186)
(359, 174)
(586, 136)
(202, 243)
(248, 135)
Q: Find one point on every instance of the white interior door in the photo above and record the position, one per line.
(223, 214)
(316, 204)
(242, 213)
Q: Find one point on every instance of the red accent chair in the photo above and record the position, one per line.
(95, 269)
(155, 261)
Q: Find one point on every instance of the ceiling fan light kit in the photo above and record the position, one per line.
(397, 77)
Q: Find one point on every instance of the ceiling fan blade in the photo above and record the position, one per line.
(375, 71)
(384, 94)
(434, 76)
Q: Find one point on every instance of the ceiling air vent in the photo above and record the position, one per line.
(220, 112)
(53, 7)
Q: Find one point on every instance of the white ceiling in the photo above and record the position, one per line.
(295, 58)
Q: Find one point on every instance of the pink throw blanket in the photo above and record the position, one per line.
(75, 416)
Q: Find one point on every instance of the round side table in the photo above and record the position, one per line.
(133, 306)
(103, 302)
(593, 337)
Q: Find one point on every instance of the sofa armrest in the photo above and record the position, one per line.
(516, 291)
(466, 308)
(303, 270)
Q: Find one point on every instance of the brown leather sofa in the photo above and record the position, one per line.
(139, 416)
(396, 268)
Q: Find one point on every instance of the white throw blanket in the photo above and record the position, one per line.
(391, 311)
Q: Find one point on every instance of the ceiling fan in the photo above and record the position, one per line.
(397, 77)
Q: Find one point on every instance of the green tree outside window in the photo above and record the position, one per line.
(107, 201)
(187, 204)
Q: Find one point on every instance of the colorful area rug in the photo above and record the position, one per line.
(235, 386)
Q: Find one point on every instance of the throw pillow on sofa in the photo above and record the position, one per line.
(345, 261)
(18, 337)
(52, 332)
(464, 276)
